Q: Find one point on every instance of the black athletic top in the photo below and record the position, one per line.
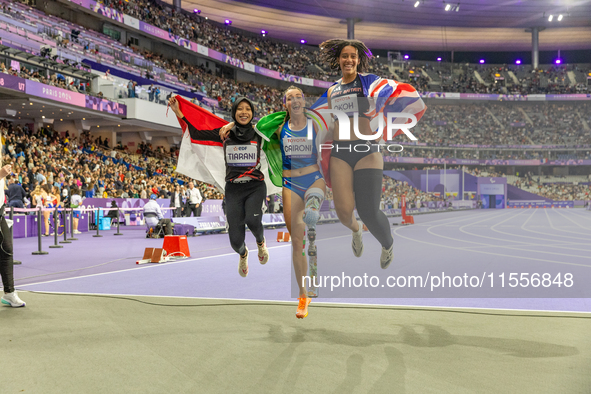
(349, 98)
(243, 159)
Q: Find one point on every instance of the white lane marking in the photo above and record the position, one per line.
(566, 217)
(564, 231)
(385, 306)
(517, 247)
(396, 231)
(144, 267)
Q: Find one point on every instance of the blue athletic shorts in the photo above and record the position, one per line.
(301, 184)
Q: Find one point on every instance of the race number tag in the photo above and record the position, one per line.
(241, 155)
(298, 147)
(346, 103)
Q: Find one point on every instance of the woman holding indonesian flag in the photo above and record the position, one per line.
(240, 154)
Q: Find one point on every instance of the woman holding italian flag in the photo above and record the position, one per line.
(293, 165)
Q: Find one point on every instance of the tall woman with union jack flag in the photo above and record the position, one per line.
(356, 164)
(245, 188)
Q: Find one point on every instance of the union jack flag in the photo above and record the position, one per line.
(385, 95)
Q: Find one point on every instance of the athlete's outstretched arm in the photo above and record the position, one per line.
(194, 132)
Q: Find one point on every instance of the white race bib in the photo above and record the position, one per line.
(241, 155)
(346, 103)
(298, 147)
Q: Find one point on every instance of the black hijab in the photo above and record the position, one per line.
(246, 132)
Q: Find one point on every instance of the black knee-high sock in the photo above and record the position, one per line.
(6, 261)
(367, 184)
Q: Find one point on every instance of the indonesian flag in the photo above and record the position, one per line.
(201, 160)
(204, 160)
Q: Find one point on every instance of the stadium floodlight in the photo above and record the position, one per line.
(558, 61)
(264, 32)
(302, 41)
(406, 57)
(227, 22)
(559, 17)
(438, 59)
(458, 7)
(481, 61)
(196, 11)
(550, 18)
(518, 61)
(448, 7)
(418, 3)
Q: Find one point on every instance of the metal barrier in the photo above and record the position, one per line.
(68, 221)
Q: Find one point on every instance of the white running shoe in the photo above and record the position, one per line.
(12, 300)
(357, 242)
(263, 252)
(387, 256)
(77, 232)
(243, 264)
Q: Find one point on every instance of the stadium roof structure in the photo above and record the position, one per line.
(477, 25)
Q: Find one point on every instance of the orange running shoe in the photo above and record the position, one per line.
(302, 311)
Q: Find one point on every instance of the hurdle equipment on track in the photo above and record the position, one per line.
(283, 236)
(406, 219)
(176, 245)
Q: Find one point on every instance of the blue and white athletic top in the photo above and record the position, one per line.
(297, 150)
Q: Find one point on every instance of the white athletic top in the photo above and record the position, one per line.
(195, 196)
(76, 200)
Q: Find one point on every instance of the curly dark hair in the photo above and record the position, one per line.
(331, 51)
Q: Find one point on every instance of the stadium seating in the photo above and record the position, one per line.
(507, 124)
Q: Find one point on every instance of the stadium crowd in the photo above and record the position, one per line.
(555, 188)
(393, 190)
(290, 58)
(44, 155)
(305, 61)
(55, 78)
(564, 192)
(45, 159)
(505, 124)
